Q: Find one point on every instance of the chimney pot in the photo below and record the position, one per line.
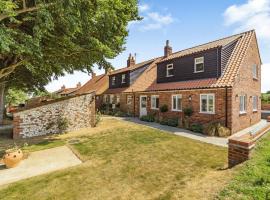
(167, 49)
(93, 74)
(63, 87)
(131, 61)
(79, 84)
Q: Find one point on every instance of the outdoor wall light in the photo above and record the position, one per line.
(137, 98)
(190, 98)
(148, 98)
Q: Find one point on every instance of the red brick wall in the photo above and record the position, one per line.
(265, 106)
(197, 117)
(246, 85)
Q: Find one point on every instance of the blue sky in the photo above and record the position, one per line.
(187, 23)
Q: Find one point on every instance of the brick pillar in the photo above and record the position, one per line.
(16, 127)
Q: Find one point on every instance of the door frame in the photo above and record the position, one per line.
(141, 96)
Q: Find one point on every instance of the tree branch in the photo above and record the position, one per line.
(17, 12)
(8, 70)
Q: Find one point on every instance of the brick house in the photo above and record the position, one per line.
(219, 80)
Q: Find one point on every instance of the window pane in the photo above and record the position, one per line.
(153, 105)
(157, 102)
(199, 67)
(179, 103)
(204, 103)
(210, 103)
(174, 102)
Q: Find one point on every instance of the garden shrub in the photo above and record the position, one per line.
(198, 128)
(163, 122)
(172, 122)
(148, 118)
(62, 124)
(98, 118)
(216, 129)
(164, 108)
(188, 111)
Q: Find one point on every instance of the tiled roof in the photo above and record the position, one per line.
(183, 85)
(232, 68)
(97, 84)
(67, 91)
(147, 81)
(203, 47)
(132, 67)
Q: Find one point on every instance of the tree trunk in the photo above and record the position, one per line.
(2, 102)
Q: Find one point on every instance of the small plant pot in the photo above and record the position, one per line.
(12, 158)
(268, 119)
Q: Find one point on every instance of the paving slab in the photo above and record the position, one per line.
(223, 142)
(40, 162)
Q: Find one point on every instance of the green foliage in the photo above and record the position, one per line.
(164, 108)
(169, 122)
(198, 128)
(266, 98)
(268, 92)
(253, 179)
(15, 97)
(148, 118)
(188, 112)
(216, 129)
(62, 124)
(60, 36)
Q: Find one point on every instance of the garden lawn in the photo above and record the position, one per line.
(253, 180)
(124, 160)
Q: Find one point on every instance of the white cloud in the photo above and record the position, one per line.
(152, 20)
(265, 77)
(143, 7)
(255, 14)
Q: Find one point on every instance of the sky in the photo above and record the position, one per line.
(186, 23)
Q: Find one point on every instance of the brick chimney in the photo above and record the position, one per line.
(63, 87)
(79, 85)
(131, 61)
(108, 71)
(167, 49)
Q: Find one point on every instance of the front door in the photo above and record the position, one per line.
(143, 105)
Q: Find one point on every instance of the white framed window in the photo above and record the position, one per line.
(255, 71)
(118, 99)
(111, 98)
(255, 103)
(113, 80)
(155, 102)
(177, 102)
(106, 98)
(243, 104)
(169, 70)
(123, 78)
(199, 65)
(129, 99)
(207, 103)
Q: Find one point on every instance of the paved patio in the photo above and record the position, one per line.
(40, 162)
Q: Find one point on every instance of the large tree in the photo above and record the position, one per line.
(43, 39)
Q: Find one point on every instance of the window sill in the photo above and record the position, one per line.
(168, 76)
(198, 72)
(154, 108)
(255, 79)
(255, 111)
(208, 113)
(176, 110)
(242, 113)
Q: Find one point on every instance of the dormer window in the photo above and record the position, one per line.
(113, 80)
(199, 65)
(170, 71)
(123, 78)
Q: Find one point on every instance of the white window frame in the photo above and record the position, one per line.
(207, 103)
(123, 78)
(178, 96)
(169, 67)
(243, 108)
(113, 80)
(131, 99)
(111, 101)
(154, 101)
(117, 98)
(255, 103)
(255, 71)
(198, 62)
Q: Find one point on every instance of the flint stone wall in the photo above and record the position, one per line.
(78, 111)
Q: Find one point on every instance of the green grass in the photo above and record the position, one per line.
(129, 161)
(253, 180)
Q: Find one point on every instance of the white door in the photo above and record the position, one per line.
(143, 105)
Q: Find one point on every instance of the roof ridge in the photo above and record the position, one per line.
(238, 34)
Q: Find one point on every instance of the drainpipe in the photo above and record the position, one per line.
(226, 106)
(134, 103)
